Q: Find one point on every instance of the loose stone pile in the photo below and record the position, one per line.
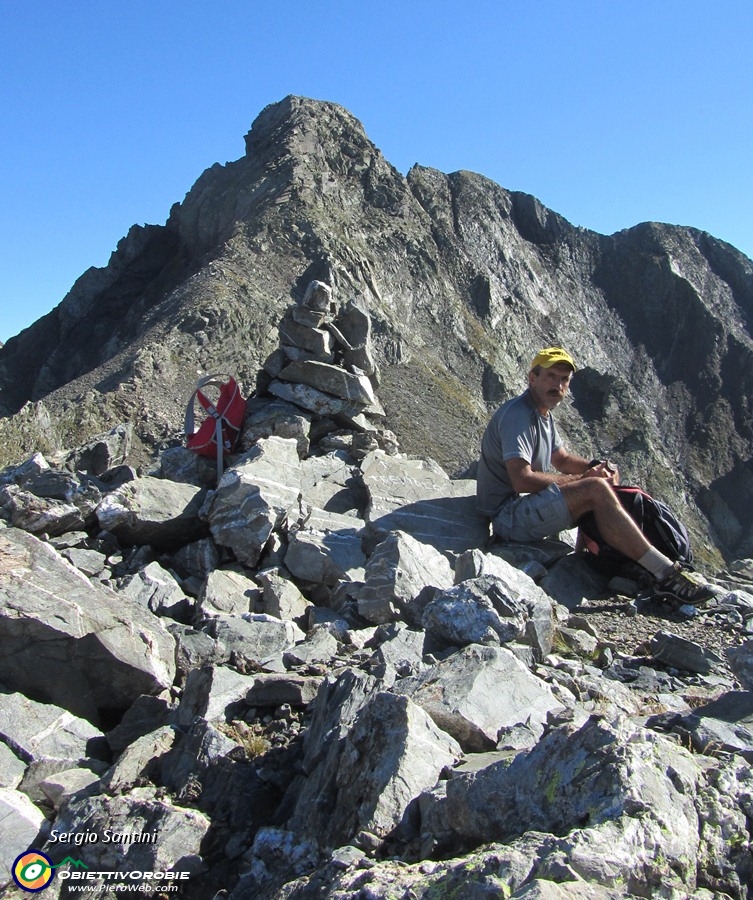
(325, 368)
(317, 679)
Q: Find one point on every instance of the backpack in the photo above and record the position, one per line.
(218, 433)
(656, 520)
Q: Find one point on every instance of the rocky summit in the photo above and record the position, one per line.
(312, 673)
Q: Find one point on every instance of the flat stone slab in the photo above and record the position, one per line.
(418, 497)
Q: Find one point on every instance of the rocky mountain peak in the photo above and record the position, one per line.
(461, 278)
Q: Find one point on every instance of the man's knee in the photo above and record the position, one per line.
(589, 495)
(600, 492)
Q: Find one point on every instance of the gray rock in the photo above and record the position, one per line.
(20, 823)
(331, 380)
(41, 731)
(12, 767)
(254, 497)
(198, 558)
(227, 592)
(267, 418)
(139, 760)
(154, 511)
(571, 581)
(145, 715)
(214, 693)
(741, 662)
(478, 692)
(327, 549)
(92, 651)
(102, 452)
(673, 650)
(416, 496)
(476, 611)
(38, 515)
(33, 466)
(275, 689)
(156, 589)
(195, 648)
(392, 753)
(332, 483)
(317, 340)
(90, 562)
(183, 465)
(612, 778)
(400, 577)
(399, 653)
(725, 724)
(178, 833)
(281, 598)
(255, 637)
(315, 401)
(517, 585)
(60, 787)
(320, 646)
(276, 857)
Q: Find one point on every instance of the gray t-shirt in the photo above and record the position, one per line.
(517, 430)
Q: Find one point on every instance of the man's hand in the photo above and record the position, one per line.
(604, 469)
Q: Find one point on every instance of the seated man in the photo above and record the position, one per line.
(526, 501)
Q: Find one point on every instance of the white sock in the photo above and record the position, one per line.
(657, 563)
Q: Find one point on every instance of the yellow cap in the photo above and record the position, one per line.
(550, 356)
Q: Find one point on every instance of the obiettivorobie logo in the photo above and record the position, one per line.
(33, 871)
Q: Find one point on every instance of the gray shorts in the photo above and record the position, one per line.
(532, 517)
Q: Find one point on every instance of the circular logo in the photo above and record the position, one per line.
(33, 871)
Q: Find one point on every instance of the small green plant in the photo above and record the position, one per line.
(249, 737)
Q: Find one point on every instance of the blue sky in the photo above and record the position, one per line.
(611, 113)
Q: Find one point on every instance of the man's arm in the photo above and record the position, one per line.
(570, 468)
(569, 463)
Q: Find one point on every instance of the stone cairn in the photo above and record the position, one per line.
(324, 377)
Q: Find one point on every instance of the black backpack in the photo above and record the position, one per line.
(656, 520)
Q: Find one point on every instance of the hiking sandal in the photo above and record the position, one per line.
(685, 587)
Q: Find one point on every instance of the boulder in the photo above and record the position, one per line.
(38, 515)
(266, 418)
(67, 641)
(154, 511)
(518, 586)
(20, 823)
(254, 637)
(416, 496)
(254, 497)
(399, 653)
(227, 592)
(156, 589)
(275, 689)
(326, 549)
(724, 725)
(281, 598)
(214, 693)
(479, 692)
(741, 662)
(477, 611)
(309, 398)
(401, 576)
(680, 653)
(153, 834)
(330, 379)
(390, 755)
(603, 785)
(40, 731)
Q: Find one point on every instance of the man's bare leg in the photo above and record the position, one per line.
(616, 526)
(620, 531)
